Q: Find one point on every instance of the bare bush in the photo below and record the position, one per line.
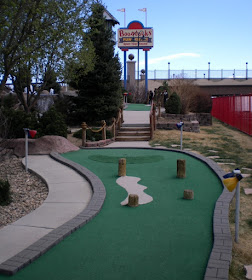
(138, 95)
(187, 91)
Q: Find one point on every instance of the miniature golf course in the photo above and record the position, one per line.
(168, 238)
(137, 107)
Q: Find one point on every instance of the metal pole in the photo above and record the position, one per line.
(138, 64)
(237, 212)
(246, 70)
(125, 69)
(26, 148)
(146, 75)
(208, 70)
(181, 137)
(169, 71)
(146, 17)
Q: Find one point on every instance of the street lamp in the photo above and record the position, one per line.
(208, 70)
(168, 70)
(246, 70)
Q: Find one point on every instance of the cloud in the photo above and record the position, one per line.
(171, 57)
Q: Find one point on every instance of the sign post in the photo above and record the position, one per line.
(180, 126)
(32, 134)
(232, 181)
(136, 36)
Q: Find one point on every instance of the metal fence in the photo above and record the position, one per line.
(198, 74)
(235, 111)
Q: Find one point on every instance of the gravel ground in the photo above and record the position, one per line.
(28, 191)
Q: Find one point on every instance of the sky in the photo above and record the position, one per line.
(191, 33)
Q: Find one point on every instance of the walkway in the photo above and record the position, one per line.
(69, 195)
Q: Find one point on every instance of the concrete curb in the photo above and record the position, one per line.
(28, 255)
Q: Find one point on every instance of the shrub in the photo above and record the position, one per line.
(173, 104)
(202, 103)
(17, 121)
(52, 123)
(5, 195)
(92, 136)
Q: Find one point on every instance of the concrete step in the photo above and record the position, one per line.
(134, 133)
(135, 125)
(135, 129)
(132, 138)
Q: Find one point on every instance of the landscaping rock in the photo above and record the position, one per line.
(41, 146)
(249, 271)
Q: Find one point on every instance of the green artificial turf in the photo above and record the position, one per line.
(137, 107)
(169, 238)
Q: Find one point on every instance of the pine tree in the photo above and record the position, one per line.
(100, 89)
(173, 104)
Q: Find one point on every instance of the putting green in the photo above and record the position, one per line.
(169, 238)
(137, 107)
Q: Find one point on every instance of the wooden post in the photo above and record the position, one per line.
(122, 167)
(188, 194)
(84, 134)
(159, 109)
(181, 168)
(133, 200)
(154, 116)
(119, 119)
(114, 128)
(103, 130)
(122, 121)
(151, 126)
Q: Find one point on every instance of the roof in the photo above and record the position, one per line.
(109, 17)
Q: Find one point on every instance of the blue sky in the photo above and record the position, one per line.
(191, 33)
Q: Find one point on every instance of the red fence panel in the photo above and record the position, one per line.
(235, 111)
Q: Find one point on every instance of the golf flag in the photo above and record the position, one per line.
(121, 10)
(231, 182)
(142, 10)
(179, 125)
(32, 133)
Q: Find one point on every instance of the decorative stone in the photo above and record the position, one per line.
(122, 167)
(248, 191)
(248, 271)
(133, 200)
(188, 194)
(181, 168)
(131, 56)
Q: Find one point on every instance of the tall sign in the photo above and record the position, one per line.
(135, 36)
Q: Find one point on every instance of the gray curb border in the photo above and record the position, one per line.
(220, 257)
(28, 255)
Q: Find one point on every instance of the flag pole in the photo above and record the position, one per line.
(124, 17)
(124, 11)
(145, 17)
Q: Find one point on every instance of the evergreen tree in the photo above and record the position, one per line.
(100, 89)
(173, 104)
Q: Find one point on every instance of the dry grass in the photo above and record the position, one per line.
(233, 147)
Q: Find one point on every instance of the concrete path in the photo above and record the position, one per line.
(136, 117)
(69, 194)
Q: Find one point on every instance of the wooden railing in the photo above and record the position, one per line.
(114, 128)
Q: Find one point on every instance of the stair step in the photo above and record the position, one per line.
(133, 133)
(135, 129)
(135, 125)
(132, 138)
